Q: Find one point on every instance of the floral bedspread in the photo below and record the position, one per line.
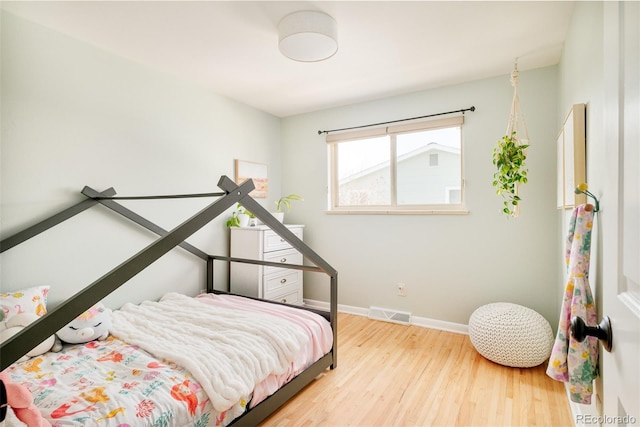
(112, 383)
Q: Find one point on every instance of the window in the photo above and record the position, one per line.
(407, 168)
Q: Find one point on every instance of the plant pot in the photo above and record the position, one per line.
(244, 220)
(279, 216)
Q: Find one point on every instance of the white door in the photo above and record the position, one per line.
(621, 213)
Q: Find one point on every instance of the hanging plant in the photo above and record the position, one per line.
(509, 158)
(510, 153)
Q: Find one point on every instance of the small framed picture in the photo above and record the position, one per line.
(571, 160)
(257, 172)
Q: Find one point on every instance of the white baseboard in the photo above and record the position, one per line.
(415, 320)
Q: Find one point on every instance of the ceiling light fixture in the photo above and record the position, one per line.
(308, 36)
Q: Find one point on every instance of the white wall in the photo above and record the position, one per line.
(74, 115)
(450, 264)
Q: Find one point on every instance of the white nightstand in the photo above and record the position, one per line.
(272, 283)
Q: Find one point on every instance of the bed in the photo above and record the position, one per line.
(244, 358)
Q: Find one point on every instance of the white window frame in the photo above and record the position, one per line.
(334, 139)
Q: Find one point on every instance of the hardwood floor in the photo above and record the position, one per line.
(397, 375)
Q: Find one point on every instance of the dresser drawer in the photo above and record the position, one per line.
(292, 296)
(290, 256)
(274, 283)
(273, 242)
(278, 282)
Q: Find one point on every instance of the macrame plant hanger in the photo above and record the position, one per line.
(516, 118)
(517, 126)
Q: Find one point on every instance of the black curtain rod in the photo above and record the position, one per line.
(472, 108)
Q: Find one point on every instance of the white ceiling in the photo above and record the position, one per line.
(386, 48)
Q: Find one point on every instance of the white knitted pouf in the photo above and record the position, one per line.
(511, 335)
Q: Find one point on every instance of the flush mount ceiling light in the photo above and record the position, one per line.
(308, 36)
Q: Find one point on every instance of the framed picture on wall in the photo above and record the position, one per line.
(258, 172)
(571, 161)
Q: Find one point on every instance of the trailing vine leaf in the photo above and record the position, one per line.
(509, 158)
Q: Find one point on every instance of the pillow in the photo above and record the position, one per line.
(31, 300)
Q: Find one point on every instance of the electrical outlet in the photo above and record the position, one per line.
(402, 289)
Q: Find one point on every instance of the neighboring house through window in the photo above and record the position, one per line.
(405, 168)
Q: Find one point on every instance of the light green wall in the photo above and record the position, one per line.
(74, 115)
(581, 81)
(450, 264)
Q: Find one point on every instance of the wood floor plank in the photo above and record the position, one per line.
(397, 375)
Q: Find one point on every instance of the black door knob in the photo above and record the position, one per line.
(603, 332)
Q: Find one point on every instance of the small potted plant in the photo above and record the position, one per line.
(285, 203)
(240, 217)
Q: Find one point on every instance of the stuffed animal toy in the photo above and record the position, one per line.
(20, 401)
(17, 323)
(91, 325)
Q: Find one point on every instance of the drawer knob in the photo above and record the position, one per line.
(283, 260)
(283, 281)
(284, 300)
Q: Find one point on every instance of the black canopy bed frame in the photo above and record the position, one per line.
(15, 347)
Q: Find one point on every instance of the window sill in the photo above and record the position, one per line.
(399, 212)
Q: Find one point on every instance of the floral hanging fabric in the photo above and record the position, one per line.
(573, 361)
(510, 153)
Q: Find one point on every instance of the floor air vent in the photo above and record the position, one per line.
(389, 315)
